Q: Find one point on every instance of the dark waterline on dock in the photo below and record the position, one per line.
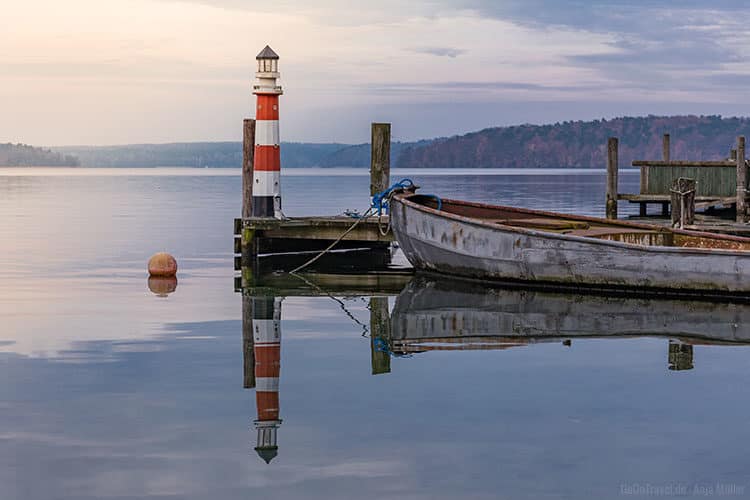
(111, 391)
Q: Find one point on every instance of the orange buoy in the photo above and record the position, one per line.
(162, 264)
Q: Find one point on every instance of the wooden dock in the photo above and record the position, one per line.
(307, 234)
(283, 244)
(719, 188)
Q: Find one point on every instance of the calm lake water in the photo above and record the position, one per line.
(110, 391)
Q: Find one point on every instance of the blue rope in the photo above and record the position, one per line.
(353, 214)
(380, 200)
(381, 345)
(436, 198)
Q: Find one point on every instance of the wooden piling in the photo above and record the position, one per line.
(380, 159)
(380, 335)
(248, 157)
(665, 149)
(611, 201)
(683, 202)
(248, 237)
(741, 180)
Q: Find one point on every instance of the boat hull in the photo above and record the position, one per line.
(450, 244)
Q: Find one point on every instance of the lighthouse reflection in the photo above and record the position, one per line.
(262, 366)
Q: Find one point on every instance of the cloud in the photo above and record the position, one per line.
(440, 51)
(457, 89)
(192, 59)
(593, 15)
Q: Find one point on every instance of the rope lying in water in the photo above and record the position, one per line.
(379, 202)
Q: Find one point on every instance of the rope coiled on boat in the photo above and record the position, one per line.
(380, 200)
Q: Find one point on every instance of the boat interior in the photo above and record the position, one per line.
(588, 227)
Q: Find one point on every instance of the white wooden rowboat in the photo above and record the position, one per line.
(488, 242)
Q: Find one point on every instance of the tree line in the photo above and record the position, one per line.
(23, 155)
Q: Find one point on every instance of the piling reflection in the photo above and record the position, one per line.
(680, 355)
(380, 335)
(432, 314)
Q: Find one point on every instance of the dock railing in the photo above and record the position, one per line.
(717, 182)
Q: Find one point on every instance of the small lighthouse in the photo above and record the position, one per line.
(267, 163)
(267, 346)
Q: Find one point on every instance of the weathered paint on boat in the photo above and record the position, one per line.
(473, 246)
(454, 314)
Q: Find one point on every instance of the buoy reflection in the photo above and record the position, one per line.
(162, 286)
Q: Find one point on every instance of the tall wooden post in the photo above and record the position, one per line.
(665, 154)
(665, 149)
(741, 180)
(611, 201)
(248, 352)
(380, 159)
(380, 335)
(248, 157)
(248, 237)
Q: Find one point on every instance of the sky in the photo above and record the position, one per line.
(154, 71)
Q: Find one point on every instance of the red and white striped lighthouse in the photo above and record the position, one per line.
(267, 347)
(267, 163)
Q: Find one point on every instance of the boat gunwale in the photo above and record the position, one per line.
(475, 221)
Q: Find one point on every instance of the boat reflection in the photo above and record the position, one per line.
(442, 314)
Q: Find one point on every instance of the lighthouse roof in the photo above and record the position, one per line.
(267, 53)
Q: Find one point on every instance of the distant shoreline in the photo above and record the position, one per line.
(300, 171)
(570, 144)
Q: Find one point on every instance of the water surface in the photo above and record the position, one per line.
(110, 391)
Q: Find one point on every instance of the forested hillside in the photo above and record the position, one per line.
(580, 144)
(22, 155)
(196, 154)
(221, 154)
(568, 144)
